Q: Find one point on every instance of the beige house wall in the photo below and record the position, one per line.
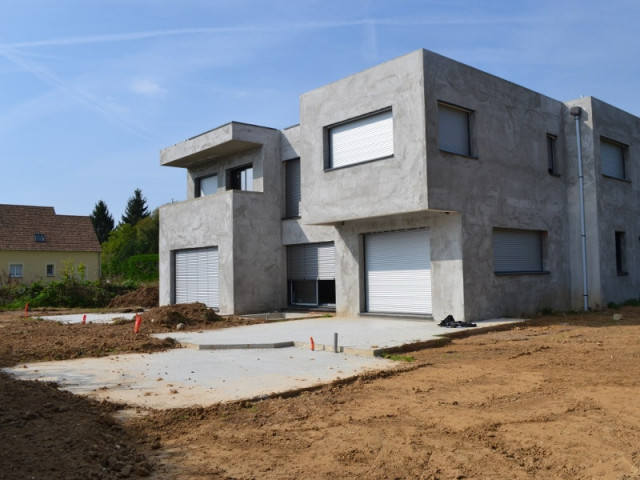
(34, 264)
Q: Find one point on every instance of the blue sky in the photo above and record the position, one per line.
(92, 90)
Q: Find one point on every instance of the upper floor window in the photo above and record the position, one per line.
(612, 159)
(293, 194)
(241, 178)
(15, 270)
(454, 129)
(552, 158)
(517, 251)
(206, 185)
(361, 140)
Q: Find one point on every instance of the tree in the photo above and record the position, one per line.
(136, 209)
(102, 221)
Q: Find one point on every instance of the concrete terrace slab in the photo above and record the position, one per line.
(184, 377)
(364, 335)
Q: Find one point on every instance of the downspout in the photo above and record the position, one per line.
(576, 111)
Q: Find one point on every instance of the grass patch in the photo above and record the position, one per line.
(398, 357)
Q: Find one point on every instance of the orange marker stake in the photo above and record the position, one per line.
(136, 326)
(84, 319)
(313, 345)
(26, 309)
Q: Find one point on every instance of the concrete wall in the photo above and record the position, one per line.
(34, 264)
(505, 183)
(368, 189)
(617, 202)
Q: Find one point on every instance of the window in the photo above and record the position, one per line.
(292, 173)
(454, 129)
(206, 185)
(311, 274)
(517, 251)
(39, 237)
(241, 178)
(552, 160)
(50, 270)
(612, 159)
(361, 140)
(15, 270)
(621, 256)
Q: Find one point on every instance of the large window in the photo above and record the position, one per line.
(206, 185)
(454, 130)
(361, 140)
(311, 274)
(15, 270)
(612, 159)
(517, 251)
(621, 254)
(241, 178)
(293, 194)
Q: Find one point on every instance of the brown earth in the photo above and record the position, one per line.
(554, 398)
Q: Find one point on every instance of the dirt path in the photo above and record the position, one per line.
(557, 398)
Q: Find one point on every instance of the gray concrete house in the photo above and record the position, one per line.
(422, 187)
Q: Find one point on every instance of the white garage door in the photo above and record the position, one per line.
(398, 271)
(197, 276)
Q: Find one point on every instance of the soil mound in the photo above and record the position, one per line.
(189, 314)
(147, 297)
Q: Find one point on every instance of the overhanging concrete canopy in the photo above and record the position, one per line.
(223, 141)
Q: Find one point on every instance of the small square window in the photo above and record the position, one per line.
(39, 237)
(517, 251)
(621, 255)
(552, 159)
(241, 178)
(15, 270)
(50, 270)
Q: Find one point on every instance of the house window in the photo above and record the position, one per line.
(15, 270)
(311, 274)
(39, 237)
(612, 159)
(206, 185)
(241, 178)
(50, 270)
(621, 256)
(361, 140)
(454, 130)
(552, 159)
(517, 251)
(292, 173)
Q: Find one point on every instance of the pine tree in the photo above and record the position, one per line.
(136, 209)
(102, 221)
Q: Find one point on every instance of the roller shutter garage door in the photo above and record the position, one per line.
(196, 279)
(398, 272)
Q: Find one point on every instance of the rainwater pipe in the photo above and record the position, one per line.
(576, 112)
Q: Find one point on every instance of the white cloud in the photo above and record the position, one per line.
(148, 87)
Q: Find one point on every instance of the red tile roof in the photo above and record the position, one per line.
(62, 233)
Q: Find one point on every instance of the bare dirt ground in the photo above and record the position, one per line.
(555, 398)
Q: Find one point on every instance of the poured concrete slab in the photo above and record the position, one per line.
(364, 335)
(184, 377)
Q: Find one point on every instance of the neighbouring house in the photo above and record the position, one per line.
(420, 186)
(36, 244)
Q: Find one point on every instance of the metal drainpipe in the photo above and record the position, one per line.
(576, 112)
